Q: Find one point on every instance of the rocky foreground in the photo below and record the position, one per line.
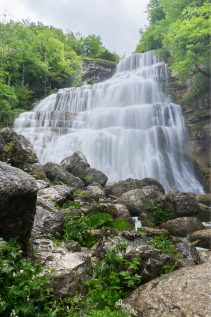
(36, 201)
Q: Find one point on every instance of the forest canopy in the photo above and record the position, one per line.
(36, 59)
(180, 31)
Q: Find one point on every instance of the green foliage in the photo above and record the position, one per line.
(165, 244)
(113, 278)
(71, 204)
(106, 312)
(81, 193)
(79, 227)
(24, 288)
(121, 225)
(158, 214)
(168, 269)
(180, 29)
(36, 59)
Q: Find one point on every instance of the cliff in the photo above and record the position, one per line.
(197, 119)
(95, 71)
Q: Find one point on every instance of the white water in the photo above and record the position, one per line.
(126, 126)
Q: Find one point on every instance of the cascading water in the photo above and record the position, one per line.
(126, 126)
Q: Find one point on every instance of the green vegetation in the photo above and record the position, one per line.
(79, 228)
(113, 278)
(159, 214)
(36, 60)
(165, 244)
(180, 31)
(25, 288)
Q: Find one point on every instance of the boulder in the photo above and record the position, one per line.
(182, 226)
(182, 204)
(204, 199)
(16, 150)
(138, 201)
(78, 166)
(48, 223)
(18, 195)
(75, 164)
(201, 238)
(95, 191)
(56, 195)
(56, 173)
(68, 270)
(183, 293)
(118, 188)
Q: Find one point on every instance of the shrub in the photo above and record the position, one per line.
(158, 214)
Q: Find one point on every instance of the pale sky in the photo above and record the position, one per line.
(116, 21)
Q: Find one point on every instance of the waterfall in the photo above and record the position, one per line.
(126, 126)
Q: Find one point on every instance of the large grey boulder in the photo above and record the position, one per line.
(182, 226)
(183, 293)
(18, 194)
(69, 270)
(138, 201)
(118, 188)
(56, 173)
(182, 204)
(16, 150)
(78, 166)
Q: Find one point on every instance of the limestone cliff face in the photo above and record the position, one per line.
(197, 118)
(95, 71)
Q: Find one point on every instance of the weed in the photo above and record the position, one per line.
(158, 214)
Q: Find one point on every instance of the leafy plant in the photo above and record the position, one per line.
(121, 225)
(165, 244)
(113, 278)
(70, 204)
(158, 214)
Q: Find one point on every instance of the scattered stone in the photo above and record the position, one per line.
(201, 238)
(182, 204)
(183, 293)
(57, 194)
(95, 191)
(56, 173)
(48, 223)
(188, 253)
(18, 194)
(121, 187)
(182, 226)
(78, 166)
(138, 201)
(41, 184)
(69, 270)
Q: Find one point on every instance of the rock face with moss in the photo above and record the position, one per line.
(95, 71)
(197, 118)
(17, 151)
(18, 194)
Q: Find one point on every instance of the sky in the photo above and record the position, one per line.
(116, 21)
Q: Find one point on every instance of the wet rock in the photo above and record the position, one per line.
(121, 187)
(69, 270)
(57, 194)
(18, 194)
(183, 293)
(138, 201)
(48, 223)
(201, 238)
(78, 166)
(96, 71)
(182, 204)
(56, 173)
(182, 226)
(17, 151)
